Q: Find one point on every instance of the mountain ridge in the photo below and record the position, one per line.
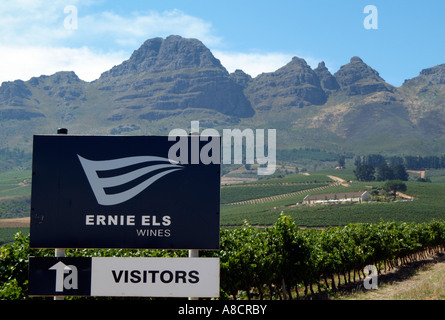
(168, 82)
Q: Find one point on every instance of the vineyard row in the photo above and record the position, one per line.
(281, 261)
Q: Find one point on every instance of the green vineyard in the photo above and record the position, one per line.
(251, 205)
(278, 262)
(244, 194)
(284, 261)
(271, 245)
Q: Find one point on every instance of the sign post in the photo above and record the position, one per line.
(193, 254)
(60, 252)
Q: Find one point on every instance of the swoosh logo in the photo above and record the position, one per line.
(145, 166)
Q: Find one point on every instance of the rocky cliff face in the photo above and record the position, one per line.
(17, 101)
(166, 55)
(161, 78)
(327, 80)
(357, 78)
(294, 85)
(174, 74)
(427, 78)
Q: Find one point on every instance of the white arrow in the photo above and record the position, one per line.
(60, 268)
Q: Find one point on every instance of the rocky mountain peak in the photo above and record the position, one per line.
(295, 83)
(162, 55)
(321, 65)
(356, 59)
(296, 65)
(241, 78)
(357, 77)
(14, 90)
(327, 80)
(166, 76)
(355, 71)
(429, 76)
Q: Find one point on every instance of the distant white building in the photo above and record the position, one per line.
(337, 197)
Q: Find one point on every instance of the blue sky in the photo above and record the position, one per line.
(37, 36)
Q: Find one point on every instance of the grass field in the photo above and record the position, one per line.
(7, 234)
(15, 183)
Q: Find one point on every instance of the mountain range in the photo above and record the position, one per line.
(167, 83)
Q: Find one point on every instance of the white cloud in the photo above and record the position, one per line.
(34, 61)
(27, 22)
(132, 30)
(34, 41)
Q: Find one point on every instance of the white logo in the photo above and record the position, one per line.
(98, 184)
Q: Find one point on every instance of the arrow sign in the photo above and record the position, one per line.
(72, 276)
(61, 269)
(124, 277)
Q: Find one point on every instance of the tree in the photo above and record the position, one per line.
(400, 172)
(413, 163)
(358, 161)
(394, 186)
(364, 172)
(341, 162)
(384, 172)
(373, 159)
(395, 160)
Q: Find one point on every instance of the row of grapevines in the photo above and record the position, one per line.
(270, 262)
(237, 193)
(282, 258)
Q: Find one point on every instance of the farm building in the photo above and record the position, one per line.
(337, 197)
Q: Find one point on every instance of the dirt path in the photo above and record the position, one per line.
(15, 223)
(226, 181)
(403, 195)
(419, 172)
(340, 181)
(9, 197)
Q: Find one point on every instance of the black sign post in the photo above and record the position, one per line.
(124, 192)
